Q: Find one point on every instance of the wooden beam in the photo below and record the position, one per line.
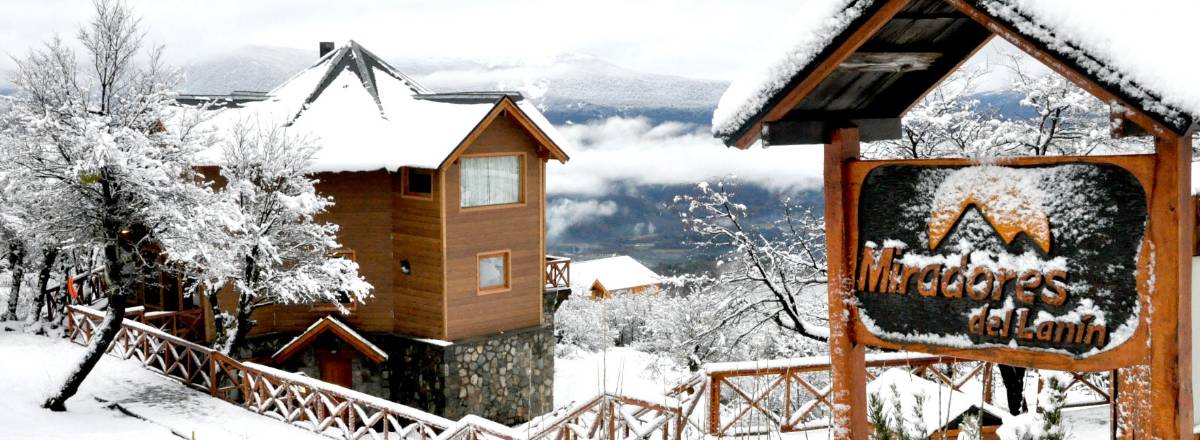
(1171, 307)
(790, 132)
(847, 356)
(1038, 51)
(818, 72)
(889, 61)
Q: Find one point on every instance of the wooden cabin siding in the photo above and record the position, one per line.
(417, 237)
(363, 209)
(472, 231)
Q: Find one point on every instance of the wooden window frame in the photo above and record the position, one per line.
(405, 172)
(507, 286)
(522, 157)
(331, 307)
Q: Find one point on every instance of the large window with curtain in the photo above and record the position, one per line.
(491, 180)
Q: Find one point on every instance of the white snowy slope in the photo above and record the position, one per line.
(34, 366)
(1143, 49)
(366, 115)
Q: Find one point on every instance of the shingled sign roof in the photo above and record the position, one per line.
(367, 115)
(873, 59)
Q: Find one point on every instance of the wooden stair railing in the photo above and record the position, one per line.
(344, 413)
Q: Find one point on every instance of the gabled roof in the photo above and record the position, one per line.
(873, 59)
(335, 327)
(367, 115)
(613, 273)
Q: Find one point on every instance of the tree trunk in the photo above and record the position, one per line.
(242, 323)
(49, 257)
(100, 343)
(115, 265)
(16, 257)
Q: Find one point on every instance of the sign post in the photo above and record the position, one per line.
(1065, 263)
(847, 355)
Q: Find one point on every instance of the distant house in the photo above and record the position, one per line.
(943, 409)
(441, 201)
(607, 277)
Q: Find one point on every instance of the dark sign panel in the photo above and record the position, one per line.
(1042, 258)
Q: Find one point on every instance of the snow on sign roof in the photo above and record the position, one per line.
(367, 115)
(614, 273)
(1139, 52)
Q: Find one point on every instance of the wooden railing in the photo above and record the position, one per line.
(305, 402)
(558, 272)
(793, 394)
(186, 324)
(343, 413)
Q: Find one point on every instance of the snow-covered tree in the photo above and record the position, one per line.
(788, 264)
(93, 144)
(277, 251)
(949, 121)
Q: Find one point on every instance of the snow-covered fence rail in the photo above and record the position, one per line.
(302, 401)
(794, 394)
(186, 324)
(168, 355)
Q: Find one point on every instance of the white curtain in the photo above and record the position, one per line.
(494, 180)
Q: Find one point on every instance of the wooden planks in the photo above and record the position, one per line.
(518, 228)
(1170, 333)
(847, 355)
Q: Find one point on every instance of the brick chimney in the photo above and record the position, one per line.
(325, 47)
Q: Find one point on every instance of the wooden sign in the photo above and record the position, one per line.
(1040, 262)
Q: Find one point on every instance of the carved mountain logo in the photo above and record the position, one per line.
(1010, 201)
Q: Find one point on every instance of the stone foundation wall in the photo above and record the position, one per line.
(507, 378)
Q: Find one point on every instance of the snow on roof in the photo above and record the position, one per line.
(344, 332)
(367, 116)
(819, 22)
(942, 405)
(614, 273)
(1141, 50)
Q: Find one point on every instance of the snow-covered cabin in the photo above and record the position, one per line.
(441, 201)
(941, 412)
(618, 275)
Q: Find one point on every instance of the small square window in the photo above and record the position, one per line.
(493, 272)
(418, 182)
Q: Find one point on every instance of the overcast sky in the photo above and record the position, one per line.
(696, 38)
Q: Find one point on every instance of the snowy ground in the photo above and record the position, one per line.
(580, 375)
(34, 365)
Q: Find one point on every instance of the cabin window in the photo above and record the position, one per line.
(491, 180)
(418, 182)
(342, 297)
(493, 272)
